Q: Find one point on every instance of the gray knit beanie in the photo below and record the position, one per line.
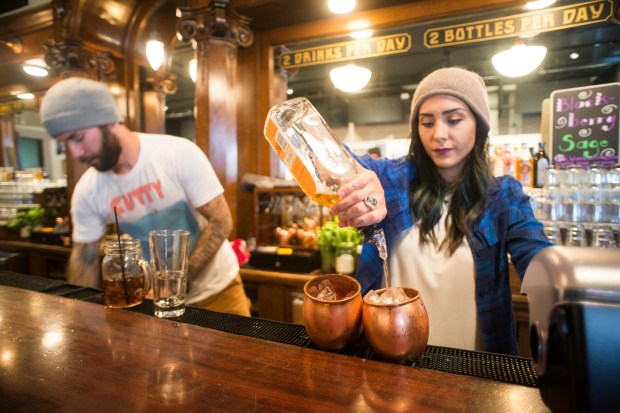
(77, 103)
(463, 84)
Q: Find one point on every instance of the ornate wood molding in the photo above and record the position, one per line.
(70, 56)
(162, 83)
(216, 20)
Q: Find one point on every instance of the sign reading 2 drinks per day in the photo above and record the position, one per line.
(585, 129)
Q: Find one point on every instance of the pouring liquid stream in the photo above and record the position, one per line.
(377, 238)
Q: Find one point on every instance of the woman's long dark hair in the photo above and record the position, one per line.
(467, 193)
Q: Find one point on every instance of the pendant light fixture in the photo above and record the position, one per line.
(519, 60)
(35, 67)
(341, 6)
(350, 78)
(155, 52)
(538, 4)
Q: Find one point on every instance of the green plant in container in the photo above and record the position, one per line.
(27, 220)
(332, 239)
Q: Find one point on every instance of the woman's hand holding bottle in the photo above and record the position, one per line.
(362, 201)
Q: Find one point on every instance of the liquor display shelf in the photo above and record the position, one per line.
(498, 367)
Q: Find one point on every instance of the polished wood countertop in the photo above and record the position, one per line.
(278, 277)
(34, 246)
(62, 354)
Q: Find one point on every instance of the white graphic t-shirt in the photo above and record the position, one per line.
(171, 177)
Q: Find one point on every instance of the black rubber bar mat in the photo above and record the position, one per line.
(499, 367)
(28, 282)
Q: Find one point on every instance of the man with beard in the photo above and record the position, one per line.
(151, 182)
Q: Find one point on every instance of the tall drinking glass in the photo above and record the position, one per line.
(169, 262)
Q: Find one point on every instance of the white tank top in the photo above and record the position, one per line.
(446, 284)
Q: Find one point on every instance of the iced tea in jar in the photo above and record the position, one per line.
(126, 275)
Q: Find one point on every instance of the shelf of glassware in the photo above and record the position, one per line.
(26, 194)
(15, 197)
(580, 206)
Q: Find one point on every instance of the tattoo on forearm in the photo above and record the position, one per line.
(217, 231)
(83, 267)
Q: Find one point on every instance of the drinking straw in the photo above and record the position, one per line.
(120, 249)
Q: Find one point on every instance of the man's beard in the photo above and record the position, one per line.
(110, 151)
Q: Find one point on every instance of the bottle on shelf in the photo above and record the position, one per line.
(511, 160)
(541, 163)
(525, 167)
(518, 163)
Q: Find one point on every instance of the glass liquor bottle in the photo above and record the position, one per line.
(525, 167)
(316, 158)
(318, 161)
(309, 149)
(541, 163)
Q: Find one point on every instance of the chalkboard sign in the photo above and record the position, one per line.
(584, 126)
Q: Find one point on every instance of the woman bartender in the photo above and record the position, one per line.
(450, 226)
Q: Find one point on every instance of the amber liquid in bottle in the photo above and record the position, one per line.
(294, 164)
(309, 173)
(316, 159)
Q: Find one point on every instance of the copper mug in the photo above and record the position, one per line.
(397, 332)
(333, 325)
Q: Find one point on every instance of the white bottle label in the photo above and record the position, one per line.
(345, 264)
(541, 175)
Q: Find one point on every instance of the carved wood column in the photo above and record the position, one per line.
(154, 93)
(218, 31)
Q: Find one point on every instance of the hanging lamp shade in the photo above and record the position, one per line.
(35, 67)
(341, 6)
(155, 52)
(350, 78)
(519, 60)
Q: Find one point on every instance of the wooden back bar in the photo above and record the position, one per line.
(61, 354)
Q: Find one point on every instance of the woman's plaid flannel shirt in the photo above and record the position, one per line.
(506, 226)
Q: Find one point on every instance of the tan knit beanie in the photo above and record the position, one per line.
(463, 84)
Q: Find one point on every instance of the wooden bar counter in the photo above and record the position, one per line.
(64, 354)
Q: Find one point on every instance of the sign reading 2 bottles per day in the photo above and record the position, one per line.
(585, 129)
